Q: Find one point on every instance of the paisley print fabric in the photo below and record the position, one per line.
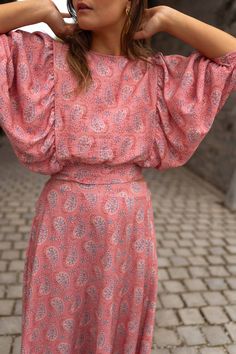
(91, 270)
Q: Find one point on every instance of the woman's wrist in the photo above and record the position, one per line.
(164, 15)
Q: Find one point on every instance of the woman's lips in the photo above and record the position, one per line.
(85, 9)
(83, 6)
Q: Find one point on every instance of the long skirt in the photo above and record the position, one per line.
(90, 277)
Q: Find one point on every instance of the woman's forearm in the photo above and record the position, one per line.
(20, 13)
(209, 40)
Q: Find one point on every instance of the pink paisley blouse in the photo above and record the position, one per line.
(150, 115)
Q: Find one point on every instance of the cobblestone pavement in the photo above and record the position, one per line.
(196, 247)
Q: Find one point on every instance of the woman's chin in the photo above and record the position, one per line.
(86, 26)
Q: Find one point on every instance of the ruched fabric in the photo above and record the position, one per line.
(27, 113)
(190, 92)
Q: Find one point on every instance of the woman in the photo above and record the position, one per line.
(90, 278)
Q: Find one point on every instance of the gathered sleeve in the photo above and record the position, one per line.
(27, 113)
(190, 91)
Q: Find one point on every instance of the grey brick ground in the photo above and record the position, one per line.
(196, 247)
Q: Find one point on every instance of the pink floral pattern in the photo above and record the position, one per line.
(91, 271)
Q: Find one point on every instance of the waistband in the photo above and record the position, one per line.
(100, 174)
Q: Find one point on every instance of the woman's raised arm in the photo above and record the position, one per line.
(209, 40)
(28, 12)
(22, 13)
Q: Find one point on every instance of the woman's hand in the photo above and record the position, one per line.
(152, 22)
(55, 20)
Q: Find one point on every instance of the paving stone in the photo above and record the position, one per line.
(191, 335)
(203, 227)
(212, 350)
(18, 307)
(24, 228)
(185, 252)
(185, 242)
(171, 301)
(188, 227)
(17, 222)
(215, 259)
(3, 266)
(217, 233)
(6, 307)
(2, 291)
(216, 335)
(14, 291)
(8, 229)
(199, 251)
(231, 349)
(10, 254)
(231, 249)
(214, 314)
(174, 286)
(14, 237)
(230, 259)
(214, 298)
(198, 260)
(231, 328)
(160, 287)
(10, 325)
(198, 272)
(167, 243)
(231, 282)
(218, 271)
(163, 262)
(231, 311)
(16, 265)
(5, 245)
(217, 242)
(230, 294)
(178, 273)
(12, 216)
(20, 245)
(193, 299)
(195, 284)
(5, 344)
(201, 242)
(231, 269)
(172, 228)
(191, 316)
(185, 350)
(166, 318)
(164, 337)
(17, 345)
(187, 235)
(217, 250)
(179, 261)
(163, 274)
(165, 252)
(7, 277)
(160, 351)
(216, 283)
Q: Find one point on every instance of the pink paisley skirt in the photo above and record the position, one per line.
(90, 276)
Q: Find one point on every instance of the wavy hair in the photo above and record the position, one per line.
(80, 42)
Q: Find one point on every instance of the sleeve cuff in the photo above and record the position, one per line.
(227, 59)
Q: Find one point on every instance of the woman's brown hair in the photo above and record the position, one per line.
(80, 42)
